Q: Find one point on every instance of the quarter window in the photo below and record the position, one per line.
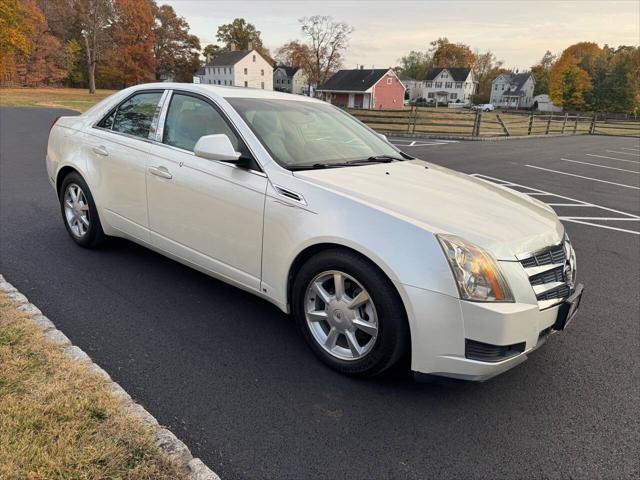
(134, 116)
(190, 118)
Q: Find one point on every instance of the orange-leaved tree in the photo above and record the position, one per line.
(131, 58)
(570, 77)
(18, 21)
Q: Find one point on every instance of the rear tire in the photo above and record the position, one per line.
(350, 313)
(79, 212)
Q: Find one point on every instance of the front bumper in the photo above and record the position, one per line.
(443, 328)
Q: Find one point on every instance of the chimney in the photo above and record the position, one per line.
(232, 46)
(361, 67)
(250, 46)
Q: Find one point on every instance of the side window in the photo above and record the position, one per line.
(135, 115)
(190, 118)
(107, 122)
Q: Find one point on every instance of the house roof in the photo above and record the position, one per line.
(290, 71)
(357, 80)
(518, 79)
(404, 78)
(457, 73)
(228, 58)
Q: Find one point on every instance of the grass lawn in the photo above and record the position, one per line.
(57, 420)
(72, 98)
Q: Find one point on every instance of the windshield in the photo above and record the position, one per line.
(305, 134)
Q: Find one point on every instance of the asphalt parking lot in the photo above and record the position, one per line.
(228, 373)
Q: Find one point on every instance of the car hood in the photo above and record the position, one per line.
(440, 200)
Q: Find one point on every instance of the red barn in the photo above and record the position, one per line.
(364, 88)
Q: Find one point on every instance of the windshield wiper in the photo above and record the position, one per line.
(315, 166)
(376, 159)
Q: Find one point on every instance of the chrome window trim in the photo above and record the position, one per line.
(157, 124)
(112, 109)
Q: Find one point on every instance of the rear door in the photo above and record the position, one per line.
(206, 212)
(118, 146)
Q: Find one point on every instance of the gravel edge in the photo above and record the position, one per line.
(165, 440)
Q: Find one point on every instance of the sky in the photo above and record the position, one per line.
(518, 32)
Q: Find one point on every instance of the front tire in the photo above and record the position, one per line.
(79, 212)
(350, 313)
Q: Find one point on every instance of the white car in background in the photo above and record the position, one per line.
(483, 107)
(375, 254)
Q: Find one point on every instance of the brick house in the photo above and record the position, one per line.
(239, 68)
(364, 88)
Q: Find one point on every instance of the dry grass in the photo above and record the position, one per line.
(57, 420)
(71, 98)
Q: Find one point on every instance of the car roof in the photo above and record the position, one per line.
(228, 91)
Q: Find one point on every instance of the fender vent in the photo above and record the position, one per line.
(290, 195)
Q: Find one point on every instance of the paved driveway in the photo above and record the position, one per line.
(232, 378)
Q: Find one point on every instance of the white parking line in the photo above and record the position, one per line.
(624, 153)
(625, 216)
(586, 178)
(612, 158)
(600, 166)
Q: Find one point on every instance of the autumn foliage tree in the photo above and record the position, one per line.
(18, 23)
(569, 83)
(447, 54)
(176, 50)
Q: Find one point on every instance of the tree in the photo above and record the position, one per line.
(18, 20)
(485, 69)
(175, 50)
(327, 41)
(94, 19)
(294, 54)
(242, 34)
(211, 50)
(540, 72)
(568, 83)
(415, 64)
(131, 60)
(447, 54)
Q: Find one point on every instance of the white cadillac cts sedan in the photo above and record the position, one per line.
(375, 254)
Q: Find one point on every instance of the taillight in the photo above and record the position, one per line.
(53, 123)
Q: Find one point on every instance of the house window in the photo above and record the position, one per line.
(254, 59)
(448, 85)
(444, 75)
(453, 96)
(430, 95)
(219, 82)
(262, 72)
(262, 85)
(458, 84)
(245, 71)
(502, 87)
(246, 84)
(438, 84)
(389, 81)
(289, 81)
(429, 84)
(495, 87)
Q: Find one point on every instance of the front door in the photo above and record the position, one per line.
(205, 212)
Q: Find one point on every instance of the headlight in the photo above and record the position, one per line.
(477, 274)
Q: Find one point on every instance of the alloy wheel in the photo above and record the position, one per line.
(76, 210)
(341, 315)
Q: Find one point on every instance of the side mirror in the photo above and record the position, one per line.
(216, 147)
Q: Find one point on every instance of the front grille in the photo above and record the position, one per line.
(551, 273)
(561, 292)
(553, 255)
(486, 352)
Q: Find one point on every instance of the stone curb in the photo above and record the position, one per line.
(166, 441)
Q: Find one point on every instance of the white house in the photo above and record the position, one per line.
(239, 68)
(449, 85)
(513, 91)
(413, 87)
(290, 79)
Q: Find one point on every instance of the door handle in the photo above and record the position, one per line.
(101, 150)
(160, 172)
